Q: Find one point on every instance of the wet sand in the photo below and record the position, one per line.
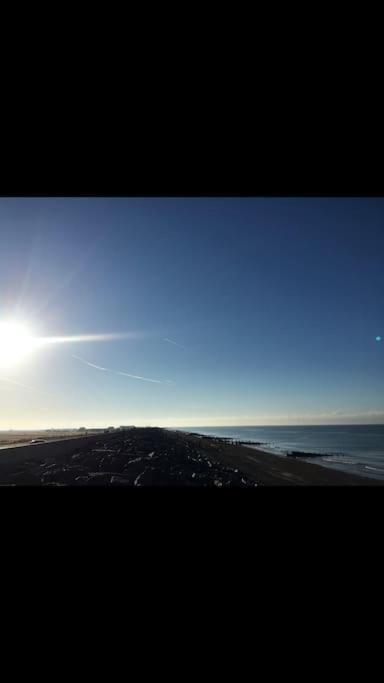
(147, 457)
(272, 470)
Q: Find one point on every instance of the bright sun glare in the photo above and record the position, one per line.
(16, 342)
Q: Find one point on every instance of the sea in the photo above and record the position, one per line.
(351, 448)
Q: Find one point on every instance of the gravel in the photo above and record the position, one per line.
(138, 458)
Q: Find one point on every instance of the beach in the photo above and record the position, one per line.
(148, 457)
(357, 449)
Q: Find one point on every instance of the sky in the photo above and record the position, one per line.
(193, 312)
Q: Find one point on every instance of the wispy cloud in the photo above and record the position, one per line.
(171, 341)
(120, 372)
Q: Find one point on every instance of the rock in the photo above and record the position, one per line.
(101, 475)
(103, 450)
(54, 483)
(131, 462)
(51, 473)
(123, 481)
(95, 478)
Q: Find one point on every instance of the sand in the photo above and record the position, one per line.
(272, 470)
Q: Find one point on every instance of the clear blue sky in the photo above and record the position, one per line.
(273, 306)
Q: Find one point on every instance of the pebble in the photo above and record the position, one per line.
(116, 479)
(172, 462)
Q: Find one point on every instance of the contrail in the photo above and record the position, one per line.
(145, 379)
(26, 386)
(18, 384)
(170, 341)
(91, 365)
(120, 372)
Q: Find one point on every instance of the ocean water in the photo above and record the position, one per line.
(357, 448)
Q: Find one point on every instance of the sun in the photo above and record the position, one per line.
(16, 342)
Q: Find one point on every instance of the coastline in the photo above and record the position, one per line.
(354, 449)
(148, 457)
(275, 470)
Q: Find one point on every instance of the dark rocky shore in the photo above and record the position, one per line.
(138, 457)
(157, 457)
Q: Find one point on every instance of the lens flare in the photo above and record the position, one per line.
(16, 342)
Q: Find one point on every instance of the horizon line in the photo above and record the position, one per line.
(354, 424)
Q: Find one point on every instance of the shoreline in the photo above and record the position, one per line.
(357, 461)
(155, 457)
(272, 469)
